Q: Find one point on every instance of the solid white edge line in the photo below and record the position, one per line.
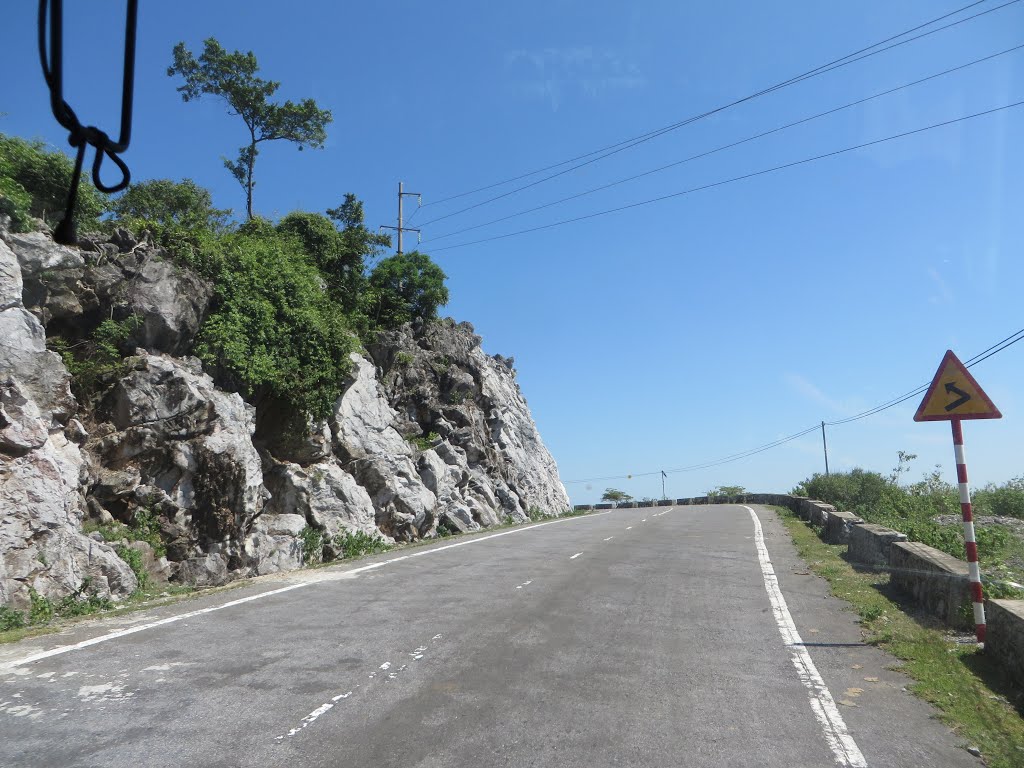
(838, 738)
(576, 555)
(61, 649)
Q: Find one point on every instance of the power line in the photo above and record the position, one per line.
(612, 146)
(724, 146)
(731, 180)
(995, 349)
(643, 138)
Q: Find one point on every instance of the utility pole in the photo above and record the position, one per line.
(663, 484)
(402, 194)
(825, 446)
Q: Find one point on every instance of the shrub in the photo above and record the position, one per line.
(272, 330)
(176, 204)
(1006, 500)
(359, 543)
(312, 546)
(28, 168)
(41, 610)
(134, 559)
(97, 359)
(10, 618)
(16, 204)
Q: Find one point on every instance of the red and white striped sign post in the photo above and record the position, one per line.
(973, 570)
(953, 396)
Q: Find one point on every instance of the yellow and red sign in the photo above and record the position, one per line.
(954, 394)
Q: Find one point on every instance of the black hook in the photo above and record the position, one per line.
(80, 136)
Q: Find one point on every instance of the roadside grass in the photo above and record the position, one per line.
(971, 694)
(46, 617)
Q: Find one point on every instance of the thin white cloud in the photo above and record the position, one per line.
(554, 74)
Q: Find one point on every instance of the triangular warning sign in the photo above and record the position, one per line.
(954, 394)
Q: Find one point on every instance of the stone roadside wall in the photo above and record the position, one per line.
(933, 580)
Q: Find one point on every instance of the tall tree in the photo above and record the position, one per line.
(232, 77)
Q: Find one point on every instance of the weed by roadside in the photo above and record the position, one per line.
(359, 543)
(970, 694)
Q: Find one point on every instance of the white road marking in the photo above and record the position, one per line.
(311, 578)
(576, 555)
(644, 520)
(629, 527)
(839, 740)
(609, 538)
(328, 705)
(525, 584)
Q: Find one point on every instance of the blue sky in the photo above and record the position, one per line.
(673, 333)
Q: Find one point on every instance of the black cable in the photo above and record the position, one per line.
(996, 348)
(723, 147)
(81, 136)
(635, 141)
(972, 361)
(728, 181)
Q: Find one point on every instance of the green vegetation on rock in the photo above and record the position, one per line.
(34, 183)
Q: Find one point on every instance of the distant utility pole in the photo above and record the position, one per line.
(663, 476)
(400, 228)
(824, 445)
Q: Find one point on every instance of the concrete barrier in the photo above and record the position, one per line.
(604, 506)
(936, 581)
(665, 503)
(1004, 639)
(583, 507)
(839, 525)
(869, 543)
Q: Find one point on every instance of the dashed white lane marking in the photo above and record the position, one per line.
(629, 527)
(609, 538)
(644, 520)
(326, 575)
(576, 555)
(844, 748)
(525, 584)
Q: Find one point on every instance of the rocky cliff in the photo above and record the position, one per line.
(431, 436)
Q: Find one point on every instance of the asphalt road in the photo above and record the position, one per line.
(654, 637)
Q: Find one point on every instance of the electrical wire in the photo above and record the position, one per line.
(643, 138)
(723, 147)
(995, 349)
(729, 181)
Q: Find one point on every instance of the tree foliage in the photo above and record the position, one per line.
(34, 182)
(273, 330)
(406, 286)
(615, 495)
(171, 204)
(232, 77)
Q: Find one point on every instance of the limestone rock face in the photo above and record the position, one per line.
(41, 503)
(71, 290)
(430, 436)
(174, 442)
(379, 458)
(441, 383)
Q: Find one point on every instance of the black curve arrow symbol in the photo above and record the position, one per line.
(951, 389)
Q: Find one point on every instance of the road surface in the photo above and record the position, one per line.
(672, 636)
